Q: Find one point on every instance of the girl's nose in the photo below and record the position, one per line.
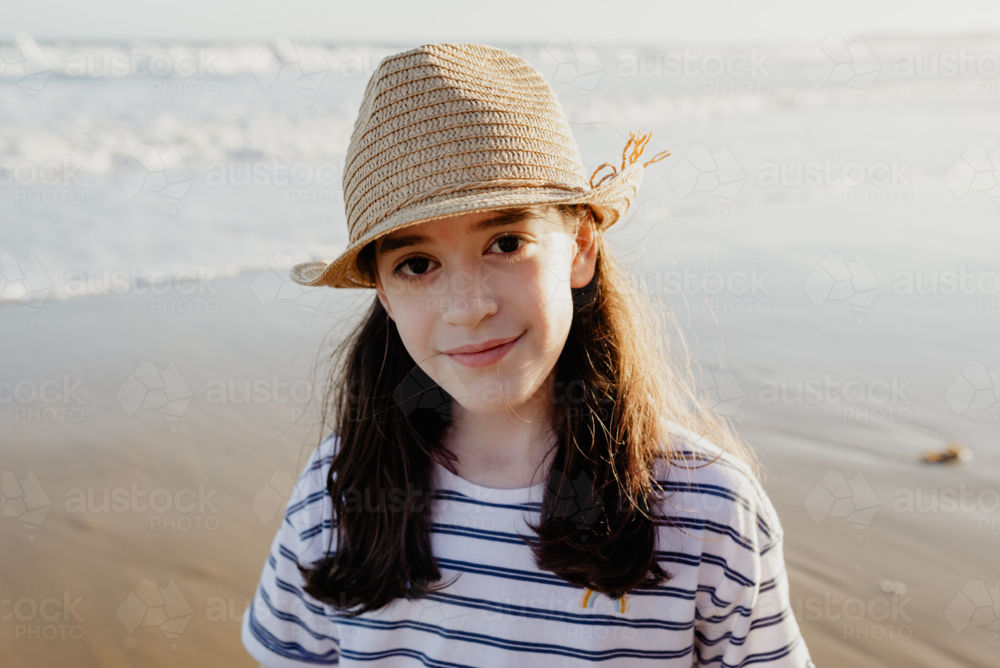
(469, 302)
(467, 311)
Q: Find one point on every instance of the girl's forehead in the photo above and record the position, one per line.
(469, 223)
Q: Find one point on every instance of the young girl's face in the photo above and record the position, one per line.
(482, 301)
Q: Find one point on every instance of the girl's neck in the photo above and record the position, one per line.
(508, 450)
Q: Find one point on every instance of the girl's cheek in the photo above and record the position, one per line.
(413, 322)
(551, 305)
(552, 282)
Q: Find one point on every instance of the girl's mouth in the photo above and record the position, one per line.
(483, 354)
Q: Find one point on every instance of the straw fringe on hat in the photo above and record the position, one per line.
(449, 129)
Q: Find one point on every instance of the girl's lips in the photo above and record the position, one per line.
(484, 356)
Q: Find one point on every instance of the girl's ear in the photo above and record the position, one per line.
(585, 261)
(381, 295)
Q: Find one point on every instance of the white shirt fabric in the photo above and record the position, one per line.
(727, 605)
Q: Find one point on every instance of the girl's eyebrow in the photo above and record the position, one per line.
(508, 217)
(395, 243)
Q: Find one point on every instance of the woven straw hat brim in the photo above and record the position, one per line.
(609, 201)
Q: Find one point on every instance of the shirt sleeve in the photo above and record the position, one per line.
(284, 627)
(744, 616)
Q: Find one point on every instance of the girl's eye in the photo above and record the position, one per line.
(416, 265)
(508, 244)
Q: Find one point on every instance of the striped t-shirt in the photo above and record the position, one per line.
(727, 604)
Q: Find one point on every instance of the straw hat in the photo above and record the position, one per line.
(449, 129)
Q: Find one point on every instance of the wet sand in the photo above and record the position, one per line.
(159, 575)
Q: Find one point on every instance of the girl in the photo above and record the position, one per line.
(512, 478)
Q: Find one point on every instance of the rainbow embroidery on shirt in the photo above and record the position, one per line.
(589, 596)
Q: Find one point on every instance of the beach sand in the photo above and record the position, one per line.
(201, 471)
(216, 475)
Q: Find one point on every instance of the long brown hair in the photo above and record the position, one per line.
(621, 377)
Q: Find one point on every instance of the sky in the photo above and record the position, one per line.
(394, 21)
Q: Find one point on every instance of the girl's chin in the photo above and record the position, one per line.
(490, 395)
